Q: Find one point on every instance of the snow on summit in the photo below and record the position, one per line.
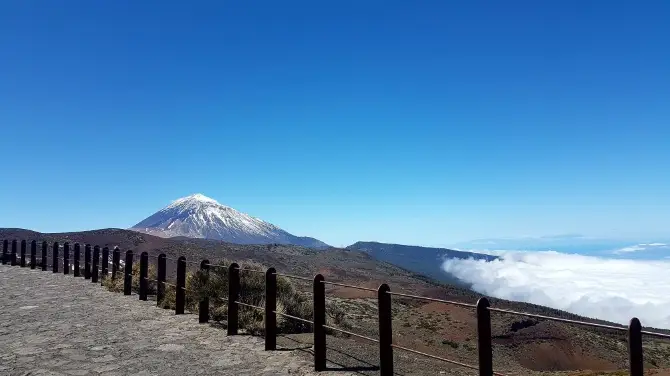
(198, 197)
(198, 216)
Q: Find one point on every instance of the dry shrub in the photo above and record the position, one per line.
(170, 299)
(116, 285)
(336, 316)
(252, 291)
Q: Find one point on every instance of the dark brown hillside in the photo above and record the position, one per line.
(521, 345)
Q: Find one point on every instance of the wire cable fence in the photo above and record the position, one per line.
(96, 267)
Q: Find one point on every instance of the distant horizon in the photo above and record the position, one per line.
(547, 242)
(604, 247)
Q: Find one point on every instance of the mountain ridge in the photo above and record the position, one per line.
(422, 260)
(198, 216)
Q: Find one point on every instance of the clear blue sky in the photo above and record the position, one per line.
(423, 122)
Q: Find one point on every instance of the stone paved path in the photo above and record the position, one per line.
(52, 324)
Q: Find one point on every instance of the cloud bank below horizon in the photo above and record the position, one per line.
(642, 247)
(611, 289)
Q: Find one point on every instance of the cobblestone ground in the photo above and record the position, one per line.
(53, 324)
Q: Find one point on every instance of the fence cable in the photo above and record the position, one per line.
(250, 305)
(433, 299)
(349, 286)
(251, 270)
(293, 317)
(441, 359)
(294, 277)
(557, 319)
(350, 333)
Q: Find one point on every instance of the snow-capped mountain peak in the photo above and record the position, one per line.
(195, 202)
(198, 216)
(195, 198)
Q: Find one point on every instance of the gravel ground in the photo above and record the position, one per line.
(53, 324)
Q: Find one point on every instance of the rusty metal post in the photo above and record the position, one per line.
(87, 261)
(484, 345)
(54, 258)
(180, 292)
(144, 275)
(96, 260)
(635, 347)
(116, 261)
(23, 253)
(33, 254)
(203, 307)
(160, 286)
(45, 248)
(270, 309)
(233, 296)
(104, 268)
(77, 255)
(128, 274)
(385, 331)
(5, 252)
(319, 290)
(14, 250)
(66, 258)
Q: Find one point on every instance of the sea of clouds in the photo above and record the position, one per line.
(612, 289)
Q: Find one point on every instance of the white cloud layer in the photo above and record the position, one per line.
(641, 247)
(609, 289)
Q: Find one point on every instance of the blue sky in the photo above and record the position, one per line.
(428, 122)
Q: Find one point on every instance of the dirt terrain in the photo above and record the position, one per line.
(522, 346)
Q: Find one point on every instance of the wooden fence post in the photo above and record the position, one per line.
(87, 261)
(319, 290)
(104, 268)
(5, 252)
(23, 253)
(144, 275)
(45, 248)
(54, 258)
(128, 274)
(14, 246)
(160, 285)
(116, 261)
(484, 345)
(635, 347)
(180, 292)
(233, 296)
(33, 254)
(385, 330)
(96, 260)
(203, 307)
(77, 255)
(270, 309)
(66, 258)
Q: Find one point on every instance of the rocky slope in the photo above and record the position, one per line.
(423, 260)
